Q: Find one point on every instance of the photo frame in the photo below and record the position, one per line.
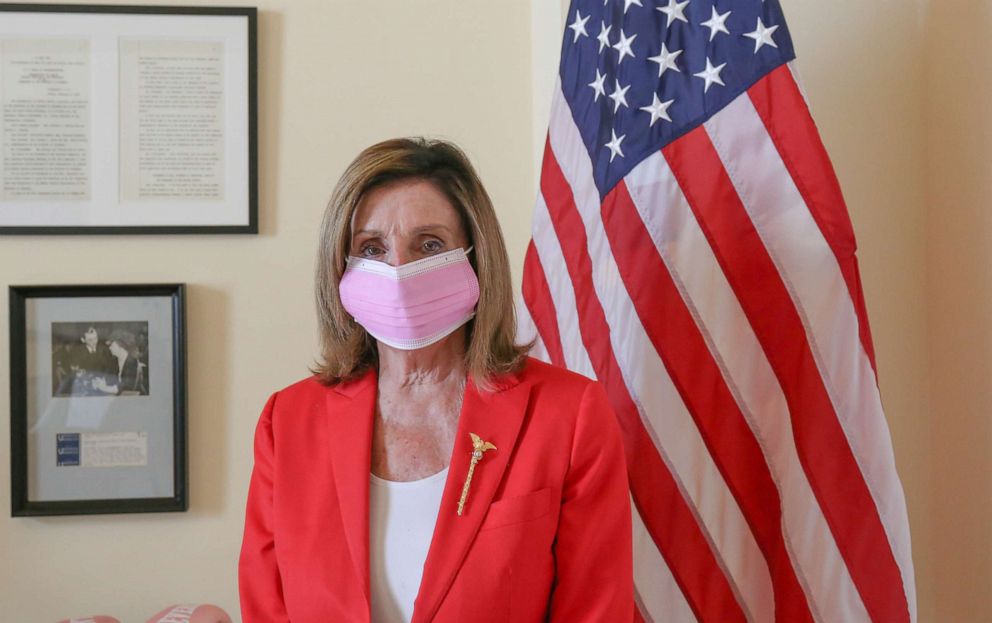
(128, 119)
(97, 399)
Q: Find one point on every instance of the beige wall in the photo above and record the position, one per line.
(902, 109)
(959, 298)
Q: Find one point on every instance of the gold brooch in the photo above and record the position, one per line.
(479, 446)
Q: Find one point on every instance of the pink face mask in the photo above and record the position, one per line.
(413, 305)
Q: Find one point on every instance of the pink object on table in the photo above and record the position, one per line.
(191, 613)
(97, 618)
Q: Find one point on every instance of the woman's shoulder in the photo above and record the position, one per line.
(313, 385)
(558, 390)
(566, 408)
(553, 377)
(313, 392)
(303, 387)
(296, 404)
(304, 391)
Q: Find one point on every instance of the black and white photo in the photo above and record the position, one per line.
(100, 358)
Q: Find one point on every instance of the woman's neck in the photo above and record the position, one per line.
(440, 363)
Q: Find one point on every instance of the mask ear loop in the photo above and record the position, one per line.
(469, 249)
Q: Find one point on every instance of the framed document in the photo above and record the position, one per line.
(128, 119)
(97, 399)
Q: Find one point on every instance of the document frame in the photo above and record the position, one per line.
(98, 399)
(121, 119)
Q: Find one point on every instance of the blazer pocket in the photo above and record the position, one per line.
(509, 511)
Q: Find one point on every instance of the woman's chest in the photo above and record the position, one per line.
(412, 441)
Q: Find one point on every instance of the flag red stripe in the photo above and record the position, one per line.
(537, 296)
(699, 381)
(790, 125)
(665, 512)
(826, 457)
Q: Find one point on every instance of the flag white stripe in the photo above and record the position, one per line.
(686, 252)
(527, 330)
(671, 425)
(658, 593)
(797, 78)
(550, 254)
(539, 350)
(814, 280)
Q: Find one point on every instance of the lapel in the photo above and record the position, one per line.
(496, 417)
(350, 411)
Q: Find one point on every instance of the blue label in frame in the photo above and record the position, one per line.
(67, 449)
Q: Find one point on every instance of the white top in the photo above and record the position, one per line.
(401, 523)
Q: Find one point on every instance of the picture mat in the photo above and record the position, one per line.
(47, 416)
(105, 32)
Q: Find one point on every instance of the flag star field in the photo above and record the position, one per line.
(639, 74)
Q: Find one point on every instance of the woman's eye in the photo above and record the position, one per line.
(369, 250)
(433, 246)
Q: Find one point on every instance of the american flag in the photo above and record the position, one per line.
(692, 251)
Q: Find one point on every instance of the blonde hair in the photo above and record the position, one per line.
(347, 350)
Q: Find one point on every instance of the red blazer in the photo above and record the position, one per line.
(545, 533)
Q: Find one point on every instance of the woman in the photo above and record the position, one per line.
(429, 470)
(127, 380)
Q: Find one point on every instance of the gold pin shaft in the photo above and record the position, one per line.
(468, 483)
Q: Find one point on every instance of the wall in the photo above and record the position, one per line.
(959, 299)
(336, 76)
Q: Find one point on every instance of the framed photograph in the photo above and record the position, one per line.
(97, 399)
(128, 119)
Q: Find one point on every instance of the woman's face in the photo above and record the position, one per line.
(405, 221)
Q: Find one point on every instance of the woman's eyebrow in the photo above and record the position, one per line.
(420, 229)
(362, 232)
(432, 227)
